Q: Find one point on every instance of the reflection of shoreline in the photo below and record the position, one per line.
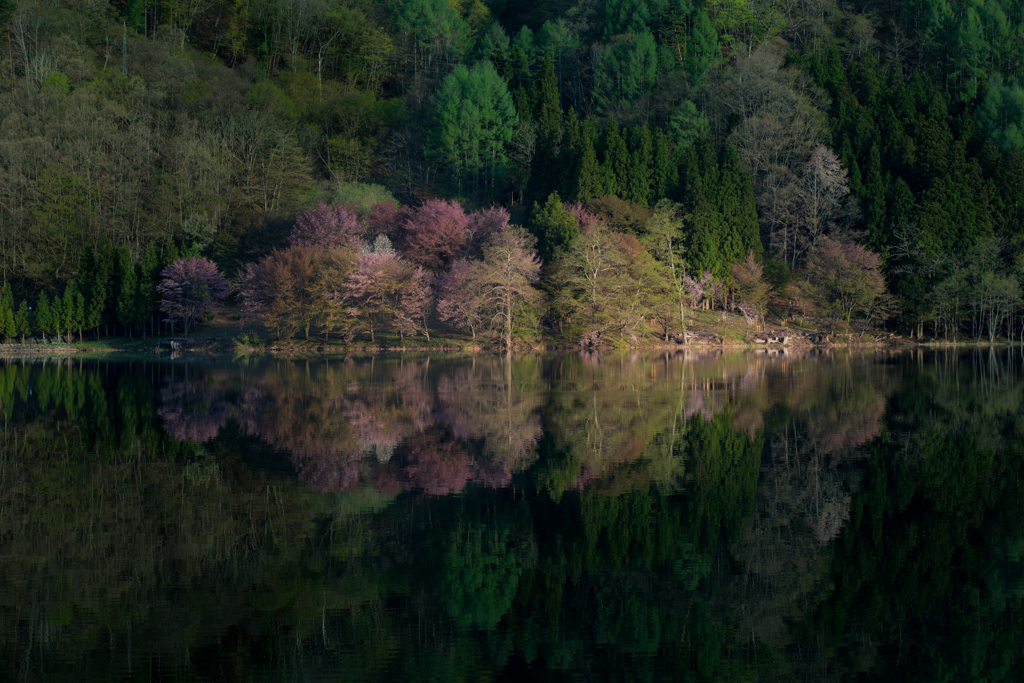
(193, 410)
(354, 424)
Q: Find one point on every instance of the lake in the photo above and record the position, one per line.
(803, 516)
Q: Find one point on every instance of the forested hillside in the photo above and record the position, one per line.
(585, 170)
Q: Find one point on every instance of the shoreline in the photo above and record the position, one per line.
(222, 348)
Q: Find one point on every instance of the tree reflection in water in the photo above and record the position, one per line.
(666, 515)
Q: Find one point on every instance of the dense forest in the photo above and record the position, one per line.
(584, 171)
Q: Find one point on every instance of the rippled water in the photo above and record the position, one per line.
(610, 517)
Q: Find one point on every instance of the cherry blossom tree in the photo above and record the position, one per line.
(703, 290)
(844, 279)
(189, 288)
(326, 225)
(193, 410)
(436, 234)
(415, 304)
(751, 291)
(485, 223)
(585, 219)
(458, 302)
(386, 219)
(287, 289)
(386, 289)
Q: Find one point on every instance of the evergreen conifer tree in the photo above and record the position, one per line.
(548, 161)
(22, 322)
(553, 226)
(640, 166)
(44, 315)
(740, 232)
(150, 271)
(664, 173)
(128, 294)
(7, 326)
(616, 161)
(73, 310)
(589, 180)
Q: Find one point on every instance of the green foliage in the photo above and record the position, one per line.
(128, 291)
(479, 577)
(362, 197)
(7, 324)
(473, 121)
(1001, 113)
(687, 125)
(432, 23)
(627, 67)
(703, 48)
(23, 321)
(553, 226)
(44, 321)
(625, 16)
(69, 316)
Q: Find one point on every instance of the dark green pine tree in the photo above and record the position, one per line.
(740, 231)
(872, 196)
(571, 154)
(1009, 181)
(22, 321)
(701, 238)
(702, 49)
(589, 178)
(94, 268)
(553, 226)
(616, 161)
(127, 293)
(7, 326)
(702, 247)
(901, 207)
(707, 162)
(73, 311)
(665, 172)
(849, 162)
(548, 167)
(171, 253)
(641, 162)
(148, 308)
(44, 315)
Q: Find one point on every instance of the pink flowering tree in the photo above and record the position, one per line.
(384, 289)
(458, 301)
(485, 223)
(415, 304)
(189, 288)
(703, 290)
(385, 218)
(585, 219)
(844, 279)
(436, 234)
(193, 410)
(326, 225)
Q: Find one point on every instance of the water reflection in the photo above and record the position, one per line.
(817, 517)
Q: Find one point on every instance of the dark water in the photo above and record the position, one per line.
(618, 517)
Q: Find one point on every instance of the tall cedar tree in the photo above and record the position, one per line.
(7, 326)
(22, 321)
(548, 165)
(553, 226)
(44, 315)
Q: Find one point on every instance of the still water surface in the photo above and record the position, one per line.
(618, 517)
